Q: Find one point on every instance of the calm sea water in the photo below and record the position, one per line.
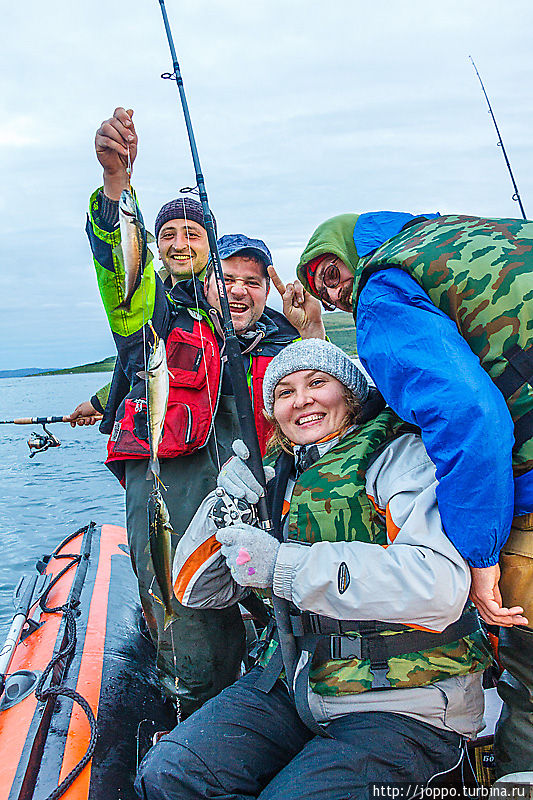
(44, 498)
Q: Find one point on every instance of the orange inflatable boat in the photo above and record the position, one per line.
(80, 700)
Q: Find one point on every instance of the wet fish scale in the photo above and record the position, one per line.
(160, 539)
(133, 244)
(157, 388)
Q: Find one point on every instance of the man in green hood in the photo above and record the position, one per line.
(443, 308)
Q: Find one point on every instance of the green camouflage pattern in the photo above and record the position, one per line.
(479, 272)
(470, 654)
(329, 503)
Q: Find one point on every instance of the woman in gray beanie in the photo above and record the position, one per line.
(322, 356)
(345, 692)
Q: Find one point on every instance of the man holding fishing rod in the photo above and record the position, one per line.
(443, 308)
(201, 651)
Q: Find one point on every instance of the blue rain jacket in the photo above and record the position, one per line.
(465, 423)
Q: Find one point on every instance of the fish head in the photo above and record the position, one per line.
(127, 205)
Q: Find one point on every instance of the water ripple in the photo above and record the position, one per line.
(49, 496)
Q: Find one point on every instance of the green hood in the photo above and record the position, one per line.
(335, 236)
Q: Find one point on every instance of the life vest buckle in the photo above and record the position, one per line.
(379, 676)
(345, 647)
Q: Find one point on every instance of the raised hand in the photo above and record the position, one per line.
(301, 309)
(113, 139)
(236, 477)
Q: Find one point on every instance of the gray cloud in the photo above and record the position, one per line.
(301, 110)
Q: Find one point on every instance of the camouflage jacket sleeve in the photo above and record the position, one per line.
(428, 374)
(419, 578)
(109, 265)
(100, 398)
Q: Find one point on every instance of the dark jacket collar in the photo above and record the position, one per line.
(276, 325)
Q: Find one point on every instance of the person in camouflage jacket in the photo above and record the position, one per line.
(352, 499)
(443, 308)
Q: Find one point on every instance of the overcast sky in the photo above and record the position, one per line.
(302, 109)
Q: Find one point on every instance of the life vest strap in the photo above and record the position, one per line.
(379, 649)
(518, 371)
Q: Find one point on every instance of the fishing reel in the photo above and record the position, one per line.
(231, 511)
(39, 442)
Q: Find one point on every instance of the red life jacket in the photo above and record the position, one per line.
(262, 426)
(194, 387)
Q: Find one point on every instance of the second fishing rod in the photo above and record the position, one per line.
(232, 347)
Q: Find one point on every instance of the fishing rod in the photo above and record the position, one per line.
(516, 195)
(39, 420)
(39, 442)
(232, 348)
(18, 621)
(235, 363)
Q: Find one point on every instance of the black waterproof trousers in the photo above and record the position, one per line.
(200, 653)
(247, 744)
(513, 741)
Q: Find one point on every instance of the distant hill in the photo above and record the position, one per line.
(20, 373)
(105, 365)
(339, 327)
(341, 330)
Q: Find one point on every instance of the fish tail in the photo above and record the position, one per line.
(170, 616)
(153, 469)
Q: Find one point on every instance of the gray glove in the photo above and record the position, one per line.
(236, 477)
(250, 554)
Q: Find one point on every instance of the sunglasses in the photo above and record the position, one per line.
(330, 280)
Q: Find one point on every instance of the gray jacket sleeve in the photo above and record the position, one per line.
(419, 578)
(200, 575)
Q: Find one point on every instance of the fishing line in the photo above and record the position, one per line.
(176, 678)
(210, 399)
(129, 168)
(143, 304)
(175, 662)
(233, 351)
(516, 196)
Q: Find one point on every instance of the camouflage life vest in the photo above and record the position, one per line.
(329, 503)
(480, 273)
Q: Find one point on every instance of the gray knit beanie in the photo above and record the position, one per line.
(313, 354)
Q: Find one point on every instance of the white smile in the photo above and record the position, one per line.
(310, 418)
(238, 307)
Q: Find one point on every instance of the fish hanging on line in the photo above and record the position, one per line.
(133, 243)
(157, 386)
(160, 539)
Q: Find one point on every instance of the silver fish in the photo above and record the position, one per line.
(157, 385)
(133, 243)
(160, 538)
